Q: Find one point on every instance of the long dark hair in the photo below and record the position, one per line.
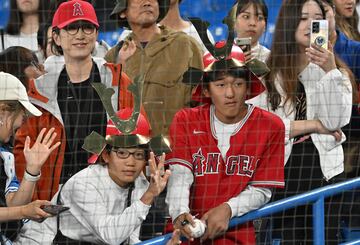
(16, 20)
(284, 56)
(43, 29)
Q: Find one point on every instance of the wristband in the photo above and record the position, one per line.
(32, 178)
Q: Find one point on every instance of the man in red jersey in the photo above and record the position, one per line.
(227, 154)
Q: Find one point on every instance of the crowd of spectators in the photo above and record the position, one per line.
(168, 129)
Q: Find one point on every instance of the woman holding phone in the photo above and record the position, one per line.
(250, 23)
(314, 98)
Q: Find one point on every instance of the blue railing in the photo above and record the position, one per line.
(316, 197)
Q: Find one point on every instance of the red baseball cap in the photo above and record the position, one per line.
(71, 11)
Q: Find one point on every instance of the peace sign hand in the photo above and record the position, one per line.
(40, 151)
(158, 179)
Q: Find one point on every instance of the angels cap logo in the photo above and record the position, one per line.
(74, 10)
(77, 9)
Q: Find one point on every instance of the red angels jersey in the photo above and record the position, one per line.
(255, 157)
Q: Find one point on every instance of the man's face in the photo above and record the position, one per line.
(228, 94)
(142, 13)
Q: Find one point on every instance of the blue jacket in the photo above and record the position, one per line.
(349, 51)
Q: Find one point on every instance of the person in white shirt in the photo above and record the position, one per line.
(314, 98)
(23, 26)
(251, 20)
(108, 200)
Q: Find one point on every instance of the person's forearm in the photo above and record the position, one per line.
(303, 127)
(250, 199)
(11, 213)
(147, 198)
(23, 195)
(177, 196)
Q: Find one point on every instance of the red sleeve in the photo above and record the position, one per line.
(179, 139)
(48, 184)
(29, 128)
(270, 168)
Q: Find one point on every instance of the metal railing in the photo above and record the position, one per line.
(316, 197)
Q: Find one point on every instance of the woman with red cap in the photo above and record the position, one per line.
(66, 96)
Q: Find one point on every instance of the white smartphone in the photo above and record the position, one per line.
(244, 43)
(320, 33)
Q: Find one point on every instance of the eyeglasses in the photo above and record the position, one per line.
(124, 153)
(73, 28)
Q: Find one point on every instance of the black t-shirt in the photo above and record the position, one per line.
(82, 113)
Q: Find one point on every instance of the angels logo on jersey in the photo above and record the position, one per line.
(198, 163)
(242, 165)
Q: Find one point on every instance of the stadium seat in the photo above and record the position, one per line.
(110, 37)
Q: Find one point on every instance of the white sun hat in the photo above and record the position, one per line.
(12, 89)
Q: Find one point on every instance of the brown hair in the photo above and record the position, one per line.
(342, 65)
(15, 60)
(283, 59)
(12, 106)
(349, 26)
(56, 49)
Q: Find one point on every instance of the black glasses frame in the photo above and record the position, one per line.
(73, 28)
(128, 153)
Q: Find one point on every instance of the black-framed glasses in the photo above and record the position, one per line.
(86, 27)
(123, 153)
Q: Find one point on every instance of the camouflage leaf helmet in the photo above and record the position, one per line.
(121, 6)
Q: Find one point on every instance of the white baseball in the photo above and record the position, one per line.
(199, 228)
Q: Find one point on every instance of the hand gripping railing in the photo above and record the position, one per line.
(316, 196)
